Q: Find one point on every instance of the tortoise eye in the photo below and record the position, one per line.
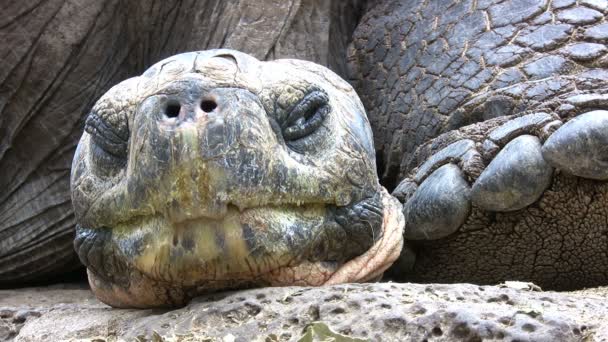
(105, 136)
(109, 146)
(306, 116)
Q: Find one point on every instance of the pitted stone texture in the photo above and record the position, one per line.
(439, 206)
(21, 306)
(515, 178)
(378, 312)
(580, 146)
(423, 68)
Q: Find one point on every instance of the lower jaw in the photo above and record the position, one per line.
(144, 292)
(140, 290)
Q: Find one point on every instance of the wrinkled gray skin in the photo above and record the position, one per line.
(214, 170)
(60, 56)
(521, 194)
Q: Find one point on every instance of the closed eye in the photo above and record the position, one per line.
(109, 148)
(306, 116)
(104, 136)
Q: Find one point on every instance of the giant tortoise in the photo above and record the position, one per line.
(214, 170)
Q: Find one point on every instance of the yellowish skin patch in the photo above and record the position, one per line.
(142, 293)
(218, 247)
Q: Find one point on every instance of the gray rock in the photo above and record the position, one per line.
(439, 205)
(381, 311)
(579, 146)
(516, 177)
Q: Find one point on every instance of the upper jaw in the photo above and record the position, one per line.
(172, 171)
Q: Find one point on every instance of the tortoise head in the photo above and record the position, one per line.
(214, 170)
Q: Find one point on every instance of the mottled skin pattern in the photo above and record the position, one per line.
(214, 170)
(461, 70)
(420, 67)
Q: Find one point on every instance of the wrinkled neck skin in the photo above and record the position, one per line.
(138, 290)
(216, 171)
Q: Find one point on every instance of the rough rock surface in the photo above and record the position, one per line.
(381, 311)
(60, 56)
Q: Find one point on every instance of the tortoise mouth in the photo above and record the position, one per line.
(117, 281)
(243, 244)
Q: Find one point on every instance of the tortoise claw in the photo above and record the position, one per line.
(515, 178)
(439, 206)
(580, 146)
(506, 168)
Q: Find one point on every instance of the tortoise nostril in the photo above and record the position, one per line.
(172, 110)
(208, 106)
